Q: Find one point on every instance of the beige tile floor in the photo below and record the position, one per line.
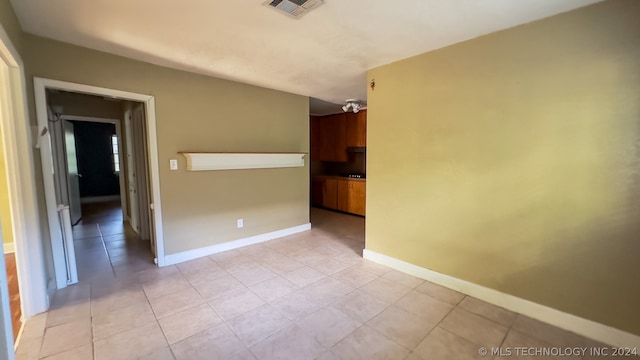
(306, 296)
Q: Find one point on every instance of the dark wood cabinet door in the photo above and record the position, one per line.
(357, 197)
(357, 129)
(330, 194)
(343, 195)
(329, 138)
(315, 137)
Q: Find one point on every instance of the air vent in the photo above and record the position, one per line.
(294, 8)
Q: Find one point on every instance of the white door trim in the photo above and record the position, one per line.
(40, 86)
(27, 233)
(118, 124)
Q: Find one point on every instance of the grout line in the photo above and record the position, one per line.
(104, 246)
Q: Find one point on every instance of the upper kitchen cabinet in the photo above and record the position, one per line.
(357, 129)
(329, 138)
(315, 138)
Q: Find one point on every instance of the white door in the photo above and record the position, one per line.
(143, 179)
(6, 331)
(132, 182)
(73, 177)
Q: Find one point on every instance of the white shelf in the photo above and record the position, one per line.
(237, 161)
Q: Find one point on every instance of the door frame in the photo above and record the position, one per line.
(19, 156)
(118, 126)
(40, 86)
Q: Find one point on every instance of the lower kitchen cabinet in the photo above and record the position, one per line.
(357, 197)
(343, 195)
(339, 194)
(330, 193)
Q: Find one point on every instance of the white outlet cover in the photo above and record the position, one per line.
(240, 223)
(173, 164)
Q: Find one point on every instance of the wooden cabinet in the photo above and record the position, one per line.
(340, 194)
(324, 192)
(330, 193)
(352, 196)
(357, 197)
(357, 129)
(316, 137)
(343, 195)
(329, 138)
(332, 134)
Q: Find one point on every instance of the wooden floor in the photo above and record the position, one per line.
(14, 293)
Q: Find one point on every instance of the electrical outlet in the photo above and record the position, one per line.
(240, 223)
(173, 164)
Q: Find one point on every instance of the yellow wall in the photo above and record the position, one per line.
(10, 25)
(199, 113)
(513, 161)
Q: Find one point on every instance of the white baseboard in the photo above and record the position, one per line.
(98, 199)
(19, 337)
(177, 258)
(563, 320)
(9, 248)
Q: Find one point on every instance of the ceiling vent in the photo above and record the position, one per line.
(294, 8)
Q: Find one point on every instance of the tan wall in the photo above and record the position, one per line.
(10, 24)
(199, 113)
(86, 105)
(5, 209)
(513, 161)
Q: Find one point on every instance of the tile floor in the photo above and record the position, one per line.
(306, 296)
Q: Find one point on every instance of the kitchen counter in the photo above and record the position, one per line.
(337, 177)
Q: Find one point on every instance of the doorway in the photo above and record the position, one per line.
(14, 313)
(95, 163)
(21, 188)
(51, 136)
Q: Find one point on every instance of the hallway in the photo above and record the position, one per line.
(106, 247)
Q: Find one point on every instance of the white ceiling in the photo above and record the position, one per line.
(325, 54)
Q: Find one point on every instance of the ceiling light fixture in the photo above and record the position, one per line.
(57, 112)
(294, 8)
(353, 105)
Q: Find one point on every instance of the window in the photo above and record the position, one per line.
(116, 156)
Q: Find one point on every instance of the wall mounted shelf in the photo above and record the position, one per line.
(200, 161)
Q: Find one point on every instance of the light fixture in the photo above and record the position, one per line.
(57, 111)
(352, 104)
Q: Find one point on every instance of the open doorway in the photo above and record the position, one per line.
(20, 188)
(101, 183)
(7, 236)
(102, 177)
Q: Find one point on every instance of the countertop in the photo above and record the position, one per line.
(337, 177)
